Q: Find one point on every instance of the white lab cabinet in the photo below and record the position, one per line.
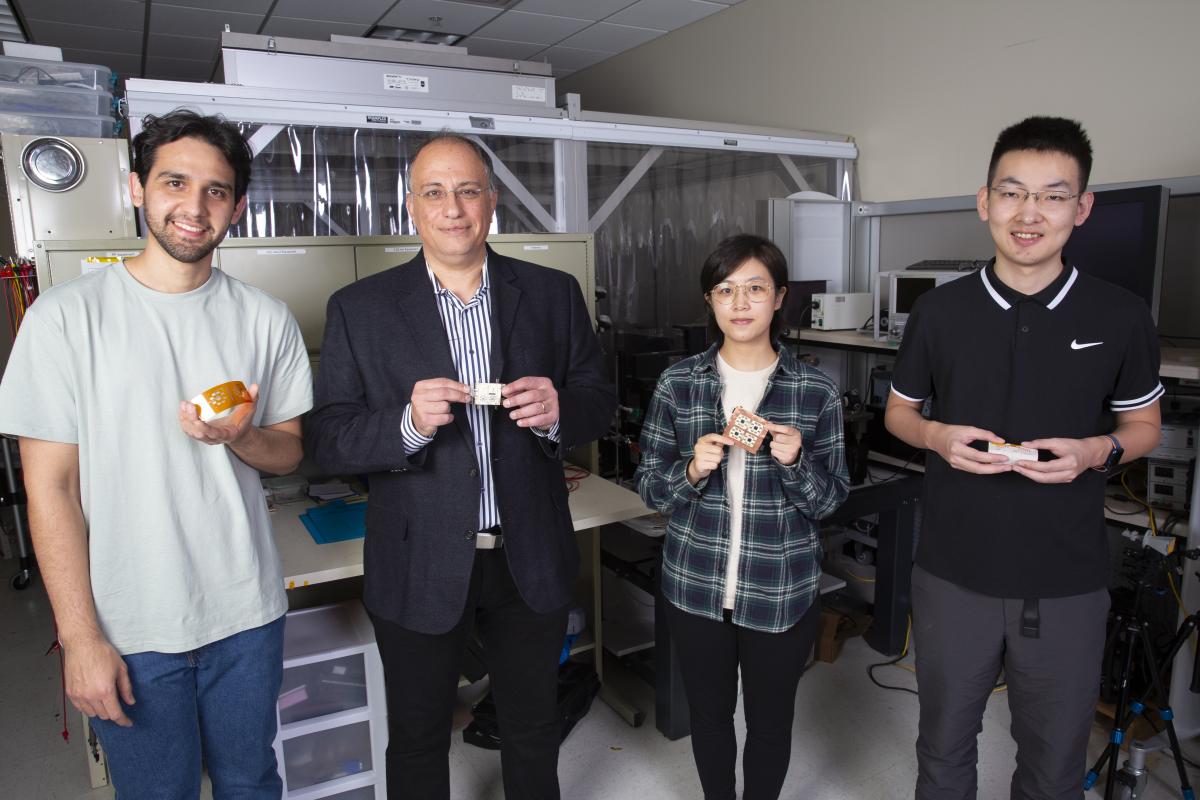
(332, 714)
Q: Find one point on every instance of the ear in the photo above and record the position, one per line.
(779, 295)
(136, 192)
(981, 203)
(1085, 208)
(408, 204)
(237, 210)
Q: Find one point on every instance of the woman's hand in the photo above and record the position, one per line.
(785, 443)
(706, 456)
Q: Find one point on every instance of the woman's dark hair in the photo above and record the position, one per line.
(181, 124)
(731, 254)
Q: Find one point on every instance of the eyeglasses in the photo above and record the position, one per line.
(755, 292)
(1045, 199)
(466, 194)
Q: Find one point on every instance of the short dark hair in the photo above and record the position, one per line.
(455, 138)
(183, 123)
(732, 253)
(1046, 135)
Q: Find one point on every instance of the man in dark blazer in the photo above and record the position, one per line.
(468, 526)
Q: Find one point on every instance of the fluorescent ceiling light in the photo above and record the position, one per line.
(393, 34)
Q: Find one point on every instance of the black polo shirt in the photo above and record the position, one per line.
(1054, 364)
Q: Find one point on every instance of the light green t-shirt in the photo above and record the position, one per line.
(179, 535)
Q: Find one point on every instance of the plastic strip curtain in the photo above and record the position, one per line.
(650, 249)
(314, 180)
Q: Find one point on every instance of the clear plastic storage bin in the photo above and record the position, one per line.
(315, 631)
(365, 793)
(22, 99)
(57, 124)
(327, 755)
(323, 688)
(39, 72)
(332, 738)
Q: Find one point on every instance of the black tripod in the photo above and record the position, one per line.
(1131, 630)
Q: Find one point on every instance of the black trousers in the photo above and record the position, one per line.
(421, 674)
(771, 663)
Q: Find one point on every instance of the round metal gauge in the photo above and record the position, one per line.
(53, 164)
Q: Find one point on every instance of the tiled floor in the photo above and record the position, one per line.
(853, 741)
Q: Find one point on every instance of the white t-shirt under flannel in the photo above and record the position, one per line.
(743, 389)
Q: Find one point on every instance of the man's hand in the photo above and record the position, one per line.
(953, 443)
(785, 443)
(94, 674)
(1073, 456)
(227, 430)
(533, 402)
(706, 456)
(431, 401)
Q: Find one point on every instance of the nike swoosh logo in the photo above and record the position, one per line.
(1075, 345)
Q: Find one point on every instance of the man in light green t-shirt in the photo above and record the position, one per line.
(149, 525)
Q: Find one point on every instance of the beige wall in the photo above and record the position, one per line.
(924, 86)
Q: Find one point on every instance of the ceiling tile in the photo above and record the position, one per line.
(572, 58)
(178, 69)
(127, 14)
(608, 38)
(581, 9)
(246, 6)
(200, 22)
(455, 17)
(498, 48)
(82, 37)
(542, 28)
(665, 14)
(311, 29)
(124, 64)
(346, 11)
(196, 48)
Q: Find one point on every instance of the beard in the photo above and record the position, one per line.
(182, 251)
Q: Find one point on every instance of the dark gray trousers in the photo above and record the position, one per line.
(963, 639)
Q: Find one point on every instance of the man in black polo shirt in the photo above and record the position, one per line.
(1012, 565)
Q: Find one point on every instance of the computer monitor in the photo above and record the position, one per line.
(1122, 241)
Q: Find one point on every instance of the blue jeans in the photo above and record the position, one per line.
(217, 703)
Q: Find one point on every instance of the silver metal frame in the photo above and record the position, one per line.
(570, 129)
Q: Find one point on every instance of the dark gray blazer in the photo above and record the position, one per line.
(382, 335)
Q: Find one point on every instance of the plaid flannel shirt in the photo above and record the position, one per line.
(779, 571)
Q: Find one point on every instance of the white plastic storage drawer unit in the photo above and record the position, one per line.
(332, 714)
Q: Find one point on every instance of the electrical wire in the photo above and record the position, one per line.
(20, 289)
(574, 476)
(895, 474)
(1140, 501)
(1002, 686)
(904, 652)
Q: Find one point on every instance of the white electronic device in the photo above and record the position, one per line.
(1169, 483)
(903, 287)
(839, 312)
(1178, 442)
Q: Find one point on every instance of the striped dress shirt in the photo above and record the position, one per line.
(469, 333)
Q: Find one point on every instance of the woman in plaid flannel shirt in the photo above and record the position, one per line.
(741, 563)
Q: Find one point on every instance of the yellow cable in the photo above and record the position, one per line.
(1140, 501)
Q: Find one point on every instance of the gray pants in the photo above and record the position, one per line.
(962, 641)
